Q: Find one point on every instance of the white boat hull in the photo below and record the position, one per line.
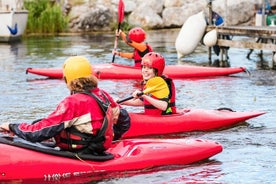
(12, 25)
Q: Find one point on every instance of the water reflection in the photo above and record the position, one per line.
(9, 50)
(205, 172)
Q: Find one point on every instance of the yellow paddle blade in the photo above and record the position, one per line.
(158, 87)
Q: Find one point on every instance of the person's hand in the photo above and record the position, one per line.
(114, 52)
(116, 100)
(118, 33)
(5, 129)
(137, 94)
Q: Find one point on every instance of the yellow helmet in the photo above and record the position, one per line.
(76, 67)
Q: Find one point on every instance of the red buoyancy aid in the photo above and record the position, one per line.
(150, 109)
(72, 139)
(138, 55)
(108, 128)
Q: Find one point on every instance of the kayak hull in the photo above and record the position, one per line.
(117, 71)
(130, 154)
(186, 120)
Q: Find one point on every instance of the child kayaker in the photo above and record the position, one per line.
(153, 65)
(135, 38)
(78, 118)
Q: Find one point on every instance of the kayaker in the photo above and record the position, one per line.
(135, 38)
(153, 65)
(77, 120)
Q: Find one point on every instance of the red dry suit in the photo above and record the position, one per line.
(80, 111)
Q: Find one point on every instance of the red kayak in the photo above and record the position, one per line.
(35, 163)
(186, 120)
(117, 71)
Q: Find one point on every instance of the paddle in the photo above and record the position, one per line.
(156, 86)
(120, 19)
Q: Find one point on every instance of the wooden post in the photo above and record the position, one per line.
(263, 13)
(210, 23)
(225, 15)
(273, 57)
(210, 12)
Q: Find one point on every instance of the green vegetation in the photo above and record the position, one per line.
(45, 17)
(125, 26)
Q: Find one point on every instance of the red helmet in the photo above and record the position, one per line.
(154, 60)
(137, 34)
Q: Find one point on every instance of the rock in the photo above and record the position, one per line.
(174, 3)
(244, 11)
(173, 17)
(100, 15)
(130, 6)
(91, 18)
(145, 17)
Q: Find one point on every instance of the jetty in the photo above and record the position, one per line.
(263, 38)
(258, 37)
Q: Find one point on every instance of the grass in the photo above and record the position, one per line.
(45, 17)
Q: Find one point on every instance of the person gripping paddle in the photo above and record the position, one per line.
(135, 39)
(158, 95)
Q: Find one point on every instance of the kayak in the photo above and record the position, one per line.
(117, 71)
(35, 163)
(186, 120)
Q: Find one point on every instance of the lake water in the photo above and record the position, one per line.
(249, 154)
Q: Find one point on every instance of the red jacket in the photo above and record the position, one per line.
(79, 110)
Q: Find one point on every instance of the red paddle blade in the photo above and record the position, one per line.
(121, 11)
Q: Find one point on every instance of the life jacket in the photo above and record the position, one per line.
(152, 110)
(138, 55)
(171, 109)
(171, 86)
(73, 140)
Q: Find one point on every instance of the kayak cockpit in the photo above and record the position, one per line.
(49, 148)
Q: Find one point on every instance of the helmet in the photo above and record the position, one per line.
(154, 60)
(137, 34)
(76, 67)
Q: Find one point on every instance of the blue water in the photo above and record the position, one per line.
(249, 154)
